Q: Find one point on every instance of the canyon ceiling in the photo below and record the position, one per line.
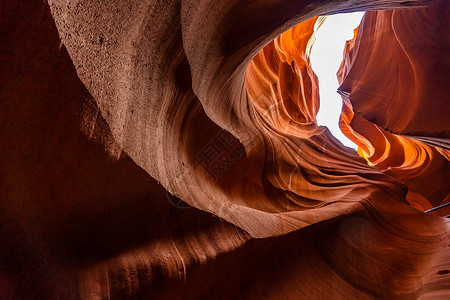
(170, 150)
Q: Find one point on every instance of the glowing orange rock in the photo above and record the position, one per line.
(424, 168)
(404, 77)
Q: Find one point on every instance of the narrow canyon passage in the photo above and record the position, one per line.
(177, 150)
(326, 57)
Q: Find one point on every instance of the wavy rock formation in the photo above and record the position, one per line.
(169, 150)
(421, 163)
(410, 89)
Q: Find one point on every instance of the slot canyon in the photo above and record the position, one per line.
(170, 150)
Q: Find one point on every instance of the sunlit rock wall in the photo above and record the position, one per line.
(395, 107)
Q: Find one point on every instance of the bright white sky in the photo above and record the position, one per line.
(326, 57)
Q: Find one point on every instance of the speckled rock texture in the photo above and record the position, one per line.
(169, 150)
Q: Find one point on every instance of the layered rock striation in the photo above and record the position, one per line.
(392, 99)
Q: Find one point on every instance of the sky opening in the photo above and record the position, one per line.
(326, 57)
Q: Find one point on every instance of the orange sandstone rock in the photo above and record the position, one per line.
(421, 164)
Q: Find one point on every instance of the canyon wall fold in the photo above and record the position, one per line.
(369, 75)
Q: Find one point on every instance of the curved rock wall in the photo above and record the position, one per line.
(369, 76)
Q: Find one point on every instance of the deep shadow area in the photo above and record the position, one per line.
(65, 202)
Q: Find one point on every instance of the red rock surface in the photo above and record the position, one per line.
(111, 112)
(388, 142)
